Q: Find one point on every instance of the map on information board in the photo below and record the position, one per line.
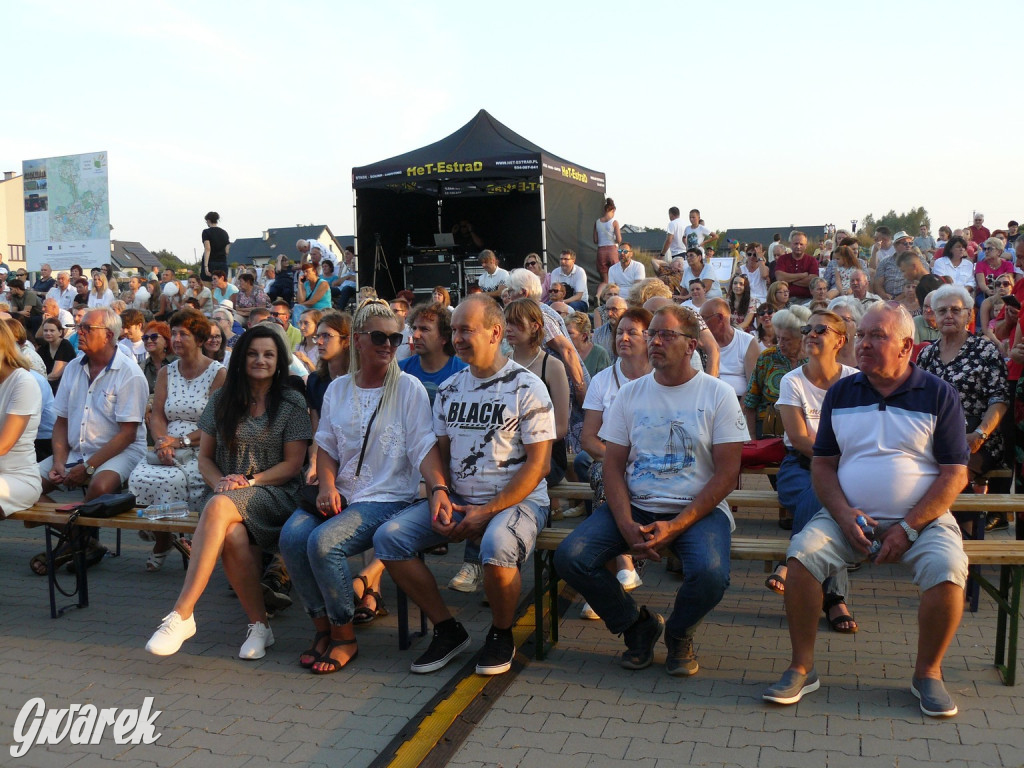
(67, 211)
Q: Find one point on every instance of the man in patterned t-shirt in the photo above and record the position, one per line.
(494, 424)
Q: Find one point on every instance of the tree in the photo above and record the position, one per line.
(169, 261)
(908, 222)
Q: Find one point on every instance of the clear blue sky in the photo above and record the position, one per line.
(759, 114)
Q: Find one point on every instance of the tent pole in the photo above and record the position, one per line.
(355, 229)
(543, 228)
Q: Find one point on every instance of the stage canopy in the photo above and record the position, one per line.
(517, 197)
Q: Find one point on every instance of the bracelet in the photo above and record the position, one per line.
(444, 488)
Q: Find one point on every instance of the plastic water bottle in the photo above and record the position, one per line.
(165, 511)
(869, 531)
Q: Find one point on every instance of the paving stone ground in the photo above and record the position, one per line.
(575, 708)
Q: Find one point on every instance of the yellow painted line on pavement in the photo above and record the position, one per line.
(434, 726)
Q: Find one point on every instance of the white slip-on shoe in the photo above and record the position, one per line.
(172, 632)
(629, 579)
(259, 638)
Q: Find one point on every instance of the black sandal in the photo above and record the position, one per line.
(312, 651)
(776, 582)
(94, 552)
(61, 555)
(364, 614)
(831, 601)
(335, 665)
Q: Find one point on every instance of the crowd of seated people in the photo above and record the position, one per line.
(300, 433)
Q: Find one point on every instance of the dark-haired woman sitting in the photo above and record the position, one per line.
(255, 430)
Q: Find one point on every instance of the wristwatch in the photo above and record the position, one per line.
(911, 533)
(186, 441)
(983, 433)
(90, 470)
(251, 480)
(440, 488)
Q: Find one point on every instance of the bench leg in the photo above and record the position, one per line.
(1008, 622)
(538, 604)
(405, 638)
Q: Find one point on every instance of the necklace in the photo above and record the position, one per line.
(535, 359)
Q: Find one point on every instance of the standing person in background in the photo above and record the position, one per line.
(216, 246)
(979, 233)
(925, 242)
(696, 235)
(607, 238)
(674, 245)
(63, 292)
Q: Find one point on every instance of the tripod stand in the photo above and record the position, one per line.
(380, 263)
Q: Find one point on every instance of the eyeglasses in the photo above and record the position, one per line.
(765, 312)
(83, 328)
(954, 311)
(281, 314)
(325, 337)
(665, 335)
(531, 264)
(751, 254)
(1004, 283)
(379, 338)
(819, 330)
(148, 336)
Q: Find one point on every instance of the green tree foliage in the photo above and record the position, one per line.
(169, 261)
(908, 222)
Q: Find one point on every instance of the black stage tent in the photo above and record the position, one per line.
(518, 198)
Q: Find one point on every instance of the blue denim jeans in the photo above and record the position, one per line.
(507, 541)
(797, 495)
(703, 549)
(316, 552)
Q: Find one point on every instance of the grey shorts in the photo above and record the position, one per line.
(936, 557)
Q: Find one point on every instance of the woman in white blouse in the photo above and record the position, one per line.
(374, 441)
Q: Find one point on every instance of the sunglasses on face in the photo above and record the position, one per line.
(150, 336)
(379, 338)
(765, 312)
(531, 263)
(819, 330)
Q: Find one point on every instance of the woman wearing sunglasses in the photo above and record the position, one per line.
(801, 393)
(533, 264)
(156, 337)
(375, 439)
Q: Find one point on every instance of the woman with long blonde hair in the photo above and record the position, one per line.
(21, 403)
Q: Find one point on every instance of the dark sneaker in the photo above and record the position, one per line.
(680, 661)
(792, 687)
(641, 638)
(443, 648)
(499, 650)
(935, 700)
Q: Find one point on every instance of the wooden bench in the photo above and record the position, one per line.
(1007, 554)
(54, 522)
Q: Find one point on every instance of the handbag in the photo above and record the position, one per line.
(759, 453)
(107, 505)
(308, 495)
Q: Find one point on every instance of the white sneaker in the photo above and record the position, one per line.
(586, 612)
(468, 579)
(629, 579)
(578, 511)
(260, 638)
(172, 632)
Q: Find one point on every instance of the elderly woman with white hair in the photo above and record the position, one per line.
(851, 310)
(360, 489)
(975, 368)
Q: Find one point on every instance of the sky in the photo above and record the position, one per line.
(759, 114)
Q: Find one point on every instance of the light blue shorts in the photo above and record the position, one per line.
(507, 541)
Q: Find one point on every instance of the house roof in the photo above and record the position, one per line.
(764, 235)
(245, 250)
(129, 254)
